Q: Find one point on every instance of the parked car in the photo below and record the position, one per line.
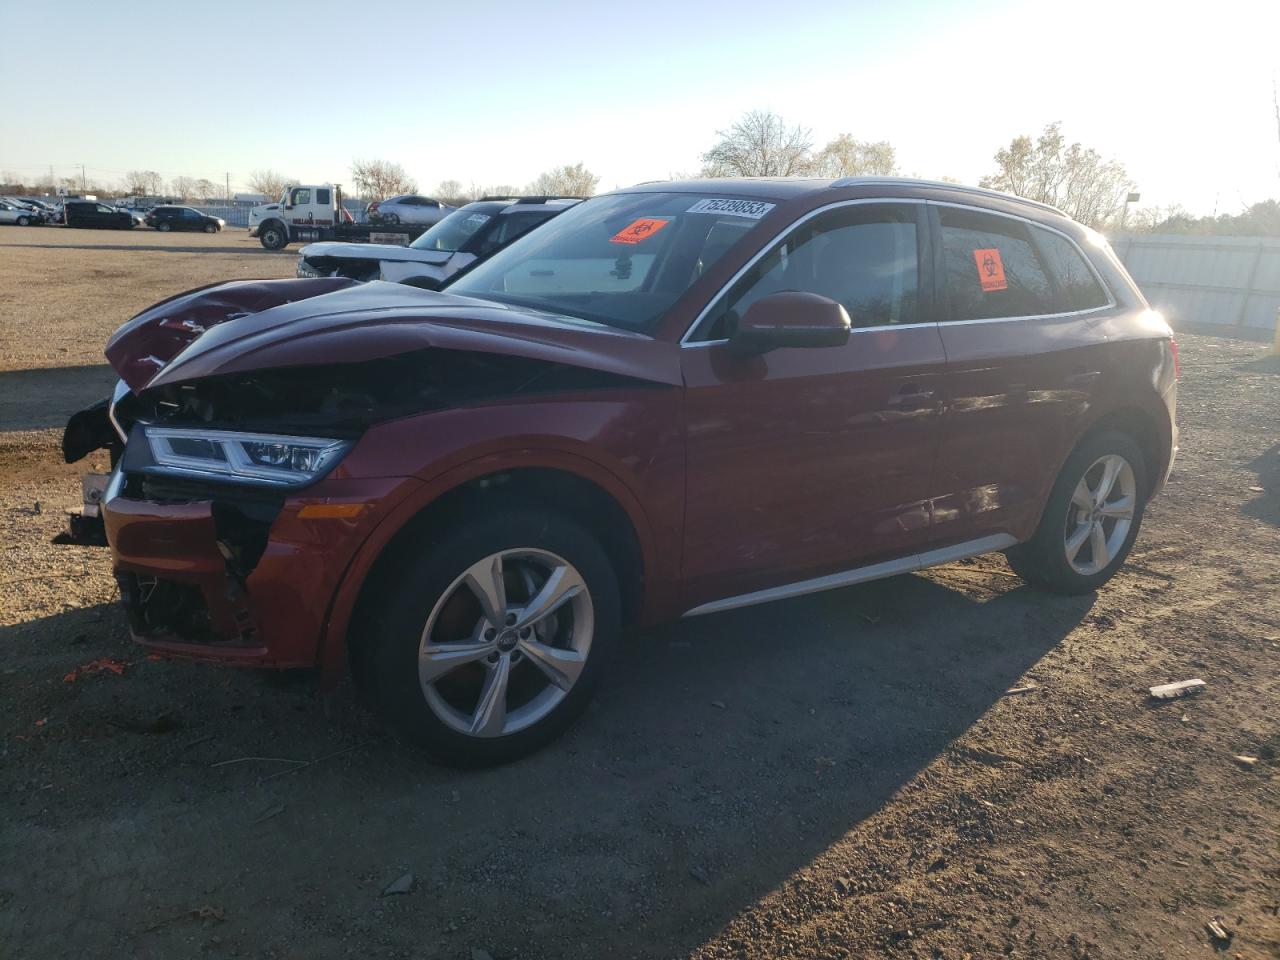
(672, 400)
(407, 209)
(462, 239)
(165, 219)
(91, 213)
(47, 209)
(12, 211)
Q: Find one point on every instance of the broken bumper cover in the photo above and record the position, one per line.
(219, 576)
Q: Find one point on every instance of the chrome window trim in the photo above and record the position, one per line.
(768, 247)
(911, 563)
(686, 341)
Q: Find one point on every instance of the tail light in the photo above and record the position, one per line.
(373, 206)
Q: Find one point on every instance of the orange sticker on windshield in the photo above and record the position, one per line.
(638, 230)
(990, 270)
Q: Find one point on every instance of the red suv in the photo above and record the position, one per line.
(669, 401)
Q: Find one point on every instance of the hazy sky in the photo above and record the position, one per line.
(496, 92)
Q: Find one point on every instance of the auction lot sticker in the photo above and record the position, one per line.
(638, 230)
(751, 209)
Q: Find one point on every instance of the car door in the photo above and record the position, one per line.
(804, 462)
(1021, 365)
(190, 220)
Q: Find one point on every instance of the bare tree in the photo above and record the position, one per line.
(1072, 177)
(377, 179)
(846, 157)
(759, 145)
(140, 183)
(452, 192)
(270, 183)
(566, 181)
(184, 188)
(206, 189)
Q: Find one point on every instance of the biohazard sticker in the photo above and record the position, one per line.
(638, 230)
(751, 209)
(990, 270)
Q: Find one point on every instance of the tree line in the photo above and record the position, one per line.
(1076, 179)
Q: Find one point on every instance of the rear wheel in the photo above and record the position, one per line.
(489, 643)
(163, 227)
(392, 218)
(1090, 520)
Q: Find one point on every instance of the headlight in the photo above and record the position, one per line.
(257, 458)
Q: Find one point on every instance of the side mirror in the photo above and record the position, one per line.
(790, 318)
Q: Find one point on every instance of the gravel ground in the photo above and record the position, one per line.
(842, 775)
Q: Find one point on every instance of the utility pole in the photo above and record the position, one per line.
(228, 177)
(84, 187)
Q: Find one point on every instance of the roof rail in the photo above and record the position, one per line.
(537, 199)
(963, 188)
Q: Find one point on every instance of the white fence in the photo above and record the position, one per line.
(1206, 281)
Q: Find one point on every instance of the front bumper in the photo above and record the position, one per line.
(219, 576)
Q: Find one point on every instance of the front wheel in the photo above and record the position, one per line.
(272, 236)
(488, 644)
(210, 228)
(24, 221)
(1090, 520)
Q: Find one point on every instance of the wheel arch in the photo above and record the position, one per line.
(1147, 431)
(581, 491)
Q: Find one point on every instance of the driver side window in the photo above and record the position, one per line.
(862, 256)
(301, 196)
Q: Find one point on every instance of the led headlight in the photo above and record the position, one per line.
(243, 457)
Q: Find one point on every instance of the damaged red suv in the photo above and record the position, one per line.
(671, 400)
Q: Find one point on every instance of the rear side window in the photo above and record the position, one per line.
(1078, 287)
(990, 268)
(322, 195)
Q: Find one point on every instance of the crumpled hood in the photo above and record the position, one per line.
(374, 251)
(269, 324)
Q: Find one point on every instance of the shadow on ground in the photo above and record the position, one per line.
(149, 248)
(46, 397)
(726, 753)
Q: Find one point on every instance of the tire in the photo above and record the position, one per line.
(273, 236)
(439, 702)
(393, 219)
(163, 227)
(210, 228)
(23, 221)
(1073, 520)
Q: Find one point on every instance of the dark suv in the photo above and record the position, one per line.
(165, 219)
(90, 213)
(668, 401)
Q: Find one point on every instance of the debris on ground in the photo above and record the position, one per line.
(402, 885)
(1028, 688)
(1245, 760)
(718, 704)
(1183, 688)
(1217, 932)
(102, 665)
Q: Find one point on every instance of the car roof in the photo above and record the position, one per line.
(518, 204)
(789, 188)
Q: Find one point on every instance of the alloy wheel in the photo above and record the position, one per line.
(1100, 514)
(506, 642)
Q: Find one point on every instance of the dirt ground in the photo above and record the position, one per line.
(843, 775)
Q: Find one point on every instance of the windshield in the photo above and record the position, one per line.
(452, 232)
(621, 259)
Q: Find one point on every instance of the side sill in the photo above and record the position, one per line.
(846, 578)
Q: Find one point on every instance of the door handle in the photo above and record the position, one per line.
(911, 397)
